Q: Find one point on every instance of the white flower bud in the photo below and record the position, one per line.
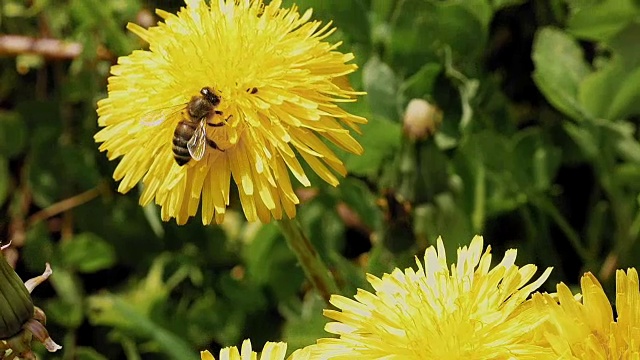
(421, 119)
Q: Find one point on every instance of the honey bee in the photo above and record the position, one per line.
(190, 136)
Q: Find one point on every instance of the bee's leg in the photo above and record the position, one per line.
(220, 123)
(213, 144)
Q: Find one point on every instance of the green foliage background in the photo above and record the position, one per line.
(538, 150)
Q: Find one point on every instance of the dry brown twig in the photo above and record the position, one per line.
(64, 205)
(14, 45)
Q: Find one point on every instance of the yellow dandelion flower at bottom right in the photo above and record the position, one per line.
(582, 326)
(470, 311)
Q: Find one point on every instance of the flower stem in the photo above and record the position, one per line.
(313, 266)
(571, 234)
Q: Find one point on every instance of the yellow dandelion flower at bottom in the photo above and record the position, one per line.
(582, 326)
(271, 351)
(471, 312)
(279, 85)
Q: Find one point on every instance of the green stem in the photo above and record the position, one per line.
(313, 266)
(565, 227)
(479, 197)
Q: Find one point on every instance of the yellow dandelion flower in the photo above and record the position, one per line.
(258, 81)
(471, 312)
(271, 351)
(582, 326)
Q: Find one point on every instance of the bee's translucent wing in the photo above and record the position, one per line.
(156, 117)
(198, 142)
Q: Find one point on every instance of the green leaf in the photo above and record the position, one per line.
(269, 262)
(61, 170)
(482, 10)
(409, 23)
(623, 46)
(464, 25)
(622, 136)
(559, 70)
(257, 252)
(382, 87)
(87, 353)
(13, 134)
(383, 8)
(499, 4)
(629, 149)
(108, 309)
(488, 148)
(323, 226)
(134, 311)
(602, 20)
(458, 25)
(39, 247)
(467, 89)
(88, 253)
(436, 218)
(628, 175)
(603, 139)
(422, 83)
(203, 321)
(243, 294)
(67, 309)
(305, 322)
(14, 9)
(63, 312)
(46, 164)
(485, 165)
(152, 215)
(97, 17)
(420, 172)
(380, 141)
(536, 161)
(352, 275)
(584, 138)
(432, 172)
(626, 101)
(5, 179)
(612, 92)
(597, 89)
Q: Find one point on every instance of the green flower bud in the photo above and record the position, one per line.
(16, 306)
(21, 321)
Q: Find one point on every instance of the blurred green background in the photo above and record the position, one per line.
(537, 149)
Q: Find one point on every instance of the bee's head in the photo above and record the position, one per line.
(210, 96)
